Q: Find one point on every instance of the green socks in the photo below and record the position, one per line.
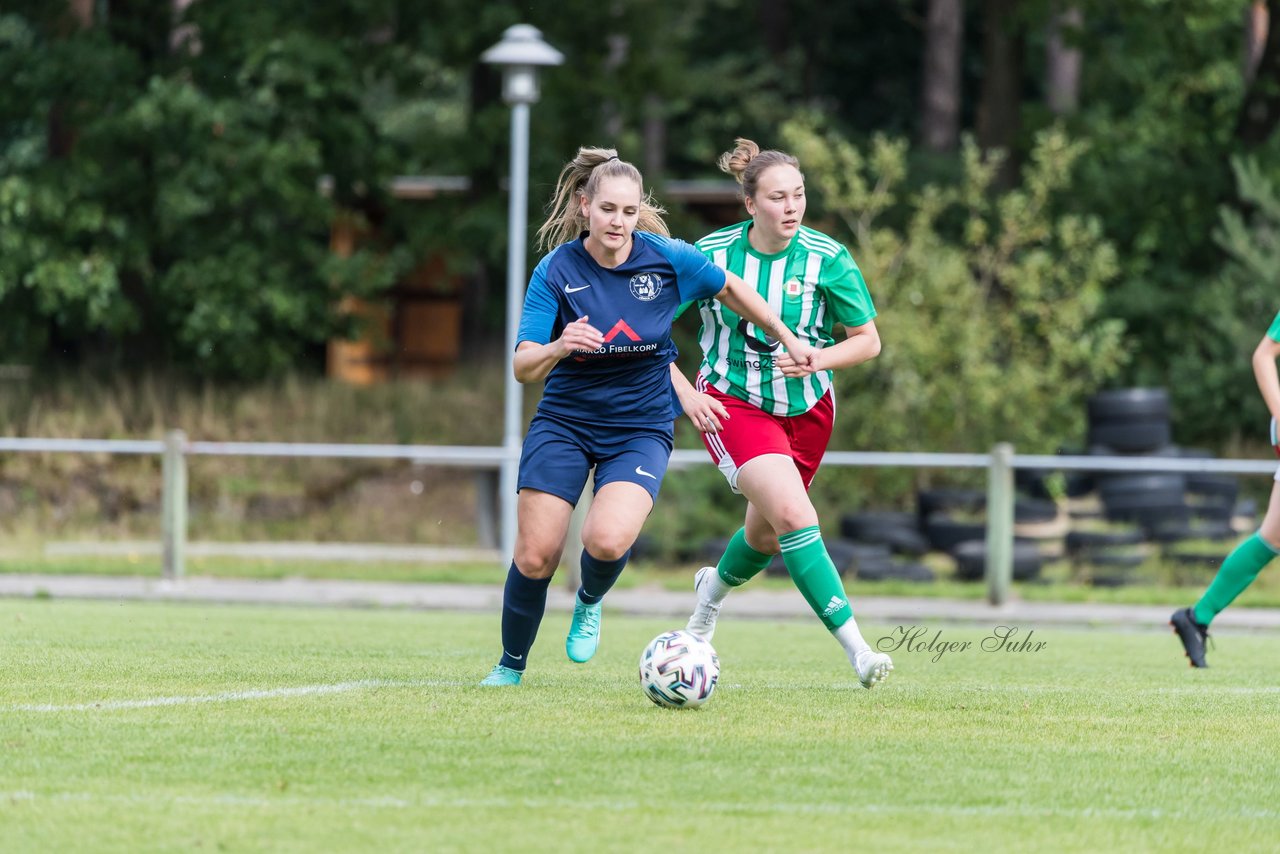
(815, 575)
(1237, 572)
(740, 563)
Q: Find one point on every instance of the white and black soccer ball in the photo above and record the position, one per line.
(678, 670)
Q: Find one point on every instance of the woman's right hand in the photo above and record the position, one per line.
(581, 336)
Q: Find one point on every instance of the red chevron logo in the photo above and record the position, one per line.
(621, 326)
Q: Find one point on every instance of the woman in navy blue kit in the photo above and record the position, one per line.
(596, 328)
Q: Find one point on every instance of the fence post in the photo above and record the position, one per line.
(173, 499)
(999, 568)
(487, 510)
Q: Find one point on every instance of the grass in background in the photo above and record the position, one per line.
(87, 496)
(293, 409)
(1056, 586)
(136, 726)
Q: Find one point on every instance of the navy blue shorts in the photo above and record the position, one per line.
(558, 455)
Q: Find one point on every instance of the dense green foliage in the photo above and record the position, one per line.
(159, 178)
(990, 302)
(184, 223)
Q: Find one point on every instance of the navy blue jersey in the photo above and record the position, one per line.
(626, 381)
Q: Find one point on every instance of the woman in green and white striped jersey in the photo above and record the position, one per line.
(766, 419)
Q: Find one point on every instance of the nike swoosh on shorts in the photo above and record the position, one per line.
(641, 471)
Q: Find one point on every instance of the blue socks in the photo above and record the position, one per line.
(523, 602)
(598, 576)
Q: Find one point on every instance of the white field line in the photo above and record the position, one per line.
(624, 805)
(227, 696)
(365, 684)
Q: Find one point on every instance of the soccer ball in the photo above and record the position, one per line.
(678, 670)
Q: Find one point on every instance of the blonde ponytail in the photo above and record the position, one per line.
(580, 179)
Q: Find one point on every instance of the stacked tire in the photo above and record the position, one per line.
(888, 543)
(1107, 557)
(1135, 421)
(954, 522)
(1130, 420)
(1169, 508)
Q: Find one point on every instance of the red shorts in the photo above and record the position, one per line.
(751, 432)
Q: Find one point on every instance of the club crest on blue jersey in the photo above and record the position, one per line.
(646, 286)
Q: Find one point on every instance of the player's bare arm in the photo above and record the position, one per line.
(534, 361)
(742, 299)
(861, 344)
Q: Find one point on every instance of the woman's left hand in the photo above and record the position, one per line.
(797, 364)
(707, 414)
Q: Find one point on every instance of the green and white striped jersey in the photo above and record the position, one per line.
(812, 285)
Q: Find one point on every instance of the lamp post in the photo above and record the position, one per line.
(520, 53)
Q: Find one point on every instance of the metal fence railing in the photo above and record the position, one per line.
(1000, 464)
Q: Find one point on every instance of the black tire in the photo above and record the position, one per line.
(1119, 486)
(1150, 515)
(905, 541)
(1212, 560)
(712, 549)
(1108, 580)
(1079, 484)
(1083, 515)
(1173, 532)
(1113, 559)
(896, 571)
(1078, 542)
(865, 525)
(917, 572)
(1034, 510)
(1112, 569)
(930, 501)
(1131, 436)
(1128, 404)
(1223, 486)
(971, 560)
(876, 570)
(1213, 509)
(1033, 483)
(777, 568)
(900, 539)
(853, 556)
(643, 548)
(1147, 499)
(944, 533)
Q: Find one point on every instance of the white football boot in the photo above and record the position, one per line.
(703, 621)
(872, 667)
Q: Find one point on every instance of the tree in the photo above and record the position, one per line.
(1260, 111)
(1000, 99)
(1062, 61)
(941, 90)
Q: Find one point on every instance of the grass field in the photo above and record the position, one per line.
(146, 727)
